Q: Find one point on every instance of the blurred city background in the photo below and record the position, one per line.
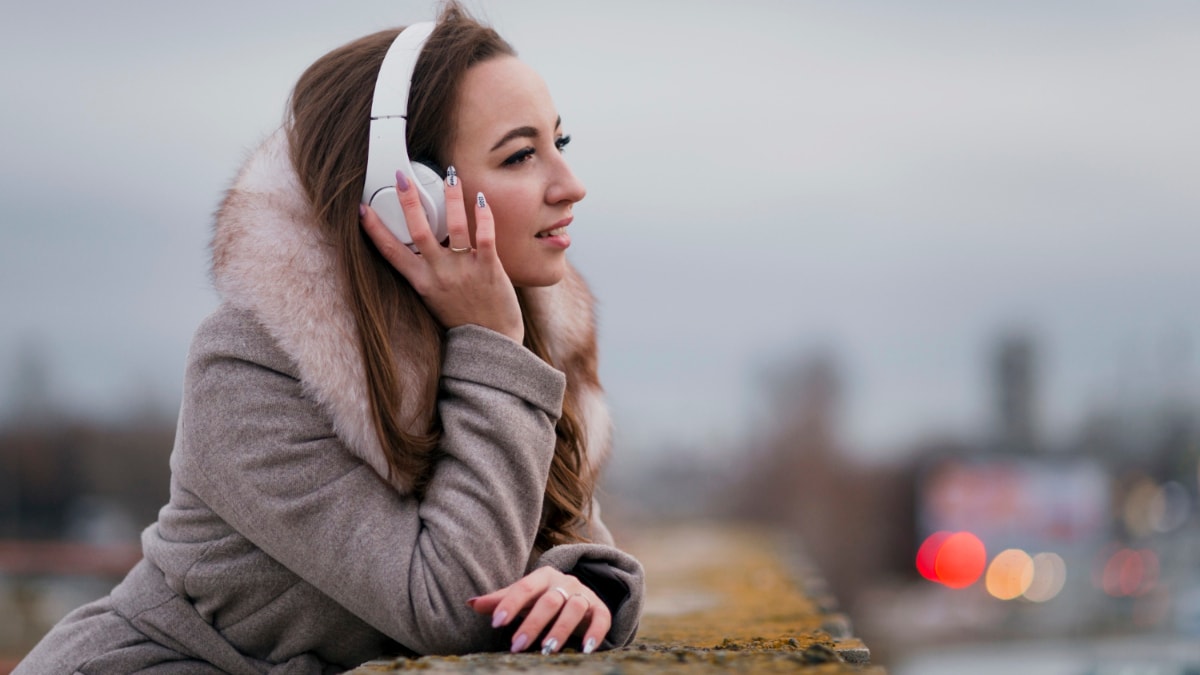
(913, 281)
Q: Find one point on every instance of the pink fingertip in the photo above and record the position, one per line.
(401, 180)
(520, 643)
(362, 210)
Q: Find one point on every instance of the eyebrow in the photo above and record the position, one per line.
(522, 132)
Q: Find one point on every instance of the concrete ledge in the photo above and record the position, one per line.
(721, 597)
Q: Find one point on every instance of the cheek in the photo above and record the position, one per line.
(515, 208)
(513, 198)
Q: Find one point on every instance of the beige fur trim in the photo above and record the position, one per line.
(269, 258)
(565, 314)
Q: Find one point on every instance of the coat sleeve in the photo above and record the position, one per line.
(614, 575)
(263, 456)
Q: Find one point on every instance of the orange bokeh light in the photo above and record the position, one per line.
(1010, 574)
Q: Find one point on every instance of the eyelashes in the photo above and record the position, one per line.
(519, 156)
(523, 154)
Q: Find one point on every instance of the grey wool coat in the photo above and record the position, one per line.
(285, 547)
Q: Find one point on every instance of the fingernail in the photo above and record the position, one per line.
(480, 201)
(589, 646)
(548, 646)
(520, 642)
(498, 618)
(401, 180)
(362, 210)
(451, 176)
(471, 601)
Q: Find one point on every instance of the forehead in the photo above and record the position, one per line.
(499, 95)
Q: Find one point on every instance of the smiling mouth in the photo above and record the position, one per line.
(556, 232)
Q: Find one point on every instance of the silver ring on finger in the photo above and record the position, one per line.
(562, 591)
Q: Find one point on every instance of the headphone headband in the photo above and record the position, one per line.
(388, 148)
(395, 73)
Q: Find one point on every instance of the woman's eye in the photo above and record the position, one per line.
(523, 154)
(519, 156)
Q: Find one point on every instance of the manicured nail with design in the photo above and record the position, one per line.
(589, 646)
(520, 642)
(549, 646)
(480, 201)
(401, 180)
(498, 618)
(451, 176)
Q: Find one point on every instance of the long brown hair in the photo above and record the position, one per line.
(328, 131)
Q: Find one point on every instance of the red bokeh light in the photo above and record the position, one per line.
(927, 554)
(955, 559)
(1130, 572)
(960, 560)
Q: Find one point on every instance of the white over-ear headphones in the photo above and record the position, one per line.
(388, 149)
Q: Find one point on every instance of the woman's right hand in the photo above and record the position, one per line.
(464, 286)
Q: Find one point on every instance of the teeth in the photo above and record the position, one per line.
(553, 233)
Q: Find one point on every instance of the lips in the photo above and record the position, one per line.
(557, 230)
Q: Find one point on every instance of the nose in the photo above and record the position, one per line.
(564, 185)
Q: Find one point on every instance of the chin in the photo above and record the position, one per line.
(540, 278)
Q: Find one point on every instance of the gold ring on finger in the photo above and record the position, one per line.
(465, 249)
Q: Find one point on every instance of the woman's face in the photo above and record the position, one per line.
(508, 145)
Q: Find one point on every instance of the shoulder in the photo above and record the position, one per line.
(234, 334)
(240, 390)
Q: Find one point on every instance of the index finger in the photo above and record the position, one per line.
(414, 216)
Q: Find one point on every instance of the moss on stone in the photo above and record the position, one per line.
(720, 599)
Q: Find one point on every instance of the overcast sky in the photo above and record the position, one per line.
(895, 182)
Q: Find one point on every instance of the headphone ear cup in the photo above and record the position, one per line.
(386, 205)
(429, 186)
(432, 189)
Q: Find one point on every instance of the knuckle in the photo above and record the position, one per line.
(550, 601)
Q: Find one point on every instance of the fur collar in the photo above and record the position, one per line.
(269, 258)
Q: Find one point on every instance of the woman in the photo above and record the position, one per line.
(381, 451)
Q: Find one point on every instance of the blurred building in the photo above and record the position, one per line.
(1015, 389)
(1098, 535)
(997, 534)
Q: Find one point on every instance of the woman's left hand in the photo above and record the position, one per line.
(544, 596)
